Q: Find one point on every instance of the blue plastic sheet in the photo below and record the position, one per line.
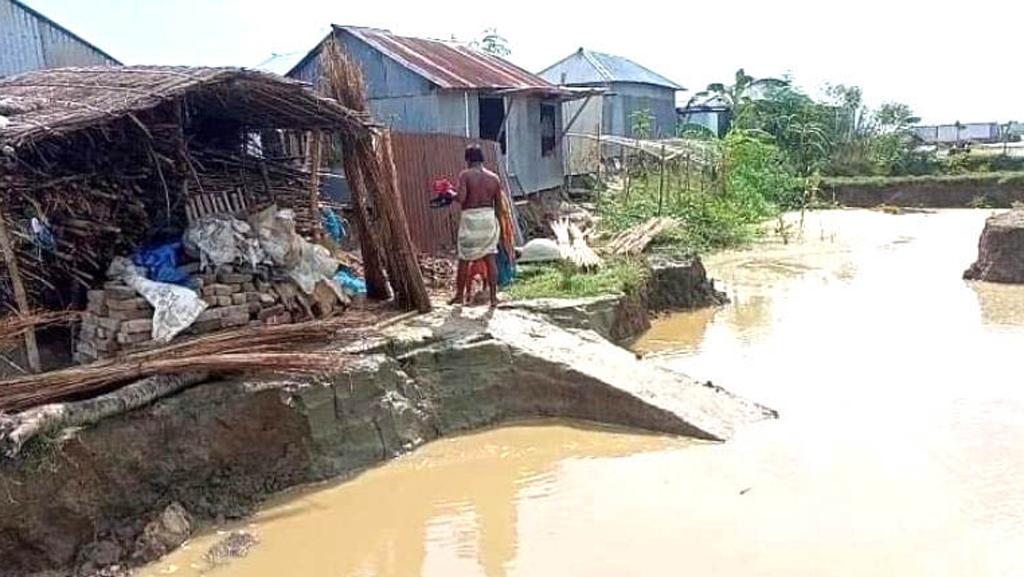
(161, 263)
(333, 225)
(350, 282)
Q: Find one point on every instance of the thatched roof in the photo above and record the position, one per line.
(58, 102)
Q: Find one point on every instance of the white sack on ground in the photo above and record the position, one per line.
(175, 307)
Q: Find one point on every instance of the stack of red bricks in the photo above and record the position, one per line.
(117, 319)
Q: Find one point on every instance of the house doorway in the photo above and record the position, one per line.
(492, 120)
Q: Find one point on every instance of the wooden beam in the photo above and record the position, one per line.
(315, 144)
(572, 121)
(504, 121)
(20, 297)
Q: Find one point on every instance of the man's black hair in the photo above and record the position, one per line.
(474, 155)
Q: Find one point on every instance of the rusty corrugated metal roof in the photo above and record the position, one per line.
(451, 66)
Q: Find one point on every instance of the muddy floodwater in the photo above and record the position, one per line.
(899, 449)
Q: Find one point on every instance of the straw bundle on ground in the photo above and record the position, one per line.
(268, 348)
(634, 240)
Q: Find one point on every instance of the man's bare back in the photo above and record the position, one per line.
(478, 188)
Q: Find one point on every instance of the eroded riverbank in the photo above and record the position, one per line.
(134, 485)
(896, 451)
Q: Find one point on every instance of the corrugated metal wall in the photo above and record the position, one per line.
(419, 159)
(533, 170)
(625, 99)
(28, 42)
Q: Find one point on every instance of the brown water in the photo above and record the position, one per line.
(899, 451)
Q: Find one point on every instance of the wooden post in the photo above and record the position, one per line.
(401, 240)
(315, 142)
(369, 241)
(661, 181)
(20, 297)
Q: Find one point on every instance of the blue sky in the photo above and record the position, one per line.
(948, 60)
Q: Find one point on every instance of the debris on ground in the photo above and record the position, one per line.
(633, 241)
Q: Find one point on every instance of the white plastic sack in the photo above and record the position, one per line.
(540, 250)
(219, 239)
(307, 263)
(175, 307)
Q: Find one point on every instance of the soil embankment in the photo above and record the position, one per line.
(133, 486)
(1000, 250)
(928, 193)
(673, 284)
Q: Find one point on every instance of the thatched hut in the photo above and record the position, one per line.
(96, 161)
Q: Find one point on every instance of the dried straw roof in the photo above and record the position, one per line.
(58, 102)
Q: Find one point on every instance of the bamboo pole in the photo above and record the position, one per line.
(20, 297)
(401, 241)
(661, 181)
(369, 243)
(315, 149)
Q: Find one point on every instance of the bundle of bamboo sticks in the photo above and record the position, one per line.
(267, 348)
(634, 240)
(373, 182)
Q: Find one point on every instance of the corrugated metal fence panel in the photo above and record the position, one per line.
(30, 42)
(419, 159)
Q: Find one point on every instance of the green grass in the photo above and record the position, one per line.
(565, 281)
(1001, 178)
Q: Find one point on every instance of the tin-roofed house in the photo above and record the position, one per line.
(415, 85)
(629, 89)
(30, 41)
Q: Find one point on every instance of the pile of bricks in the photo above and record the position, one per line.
(117, 319)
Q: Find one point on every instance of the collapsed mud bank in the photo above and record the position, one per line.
(132, 487)
(929, 194)
(672, 284)
(1000, 250)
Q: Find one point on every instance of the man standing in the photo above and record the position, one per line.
(479, 230)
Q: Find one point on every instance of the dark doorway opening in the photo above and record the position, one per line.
(492, 120)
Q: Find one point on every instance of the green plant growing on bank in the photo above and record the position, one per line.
(719, 202)
(562, 280)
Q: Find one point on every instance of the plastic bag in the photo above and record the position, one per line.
(333, 225)
(175, 307)
(161, 263)
(540, 250)
(219, 239)
(349, 282)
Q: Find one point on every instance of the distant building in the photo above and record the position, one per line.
(712, 115)
(31, 41)
(417, 85)
(629, 90)
(981, 132)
